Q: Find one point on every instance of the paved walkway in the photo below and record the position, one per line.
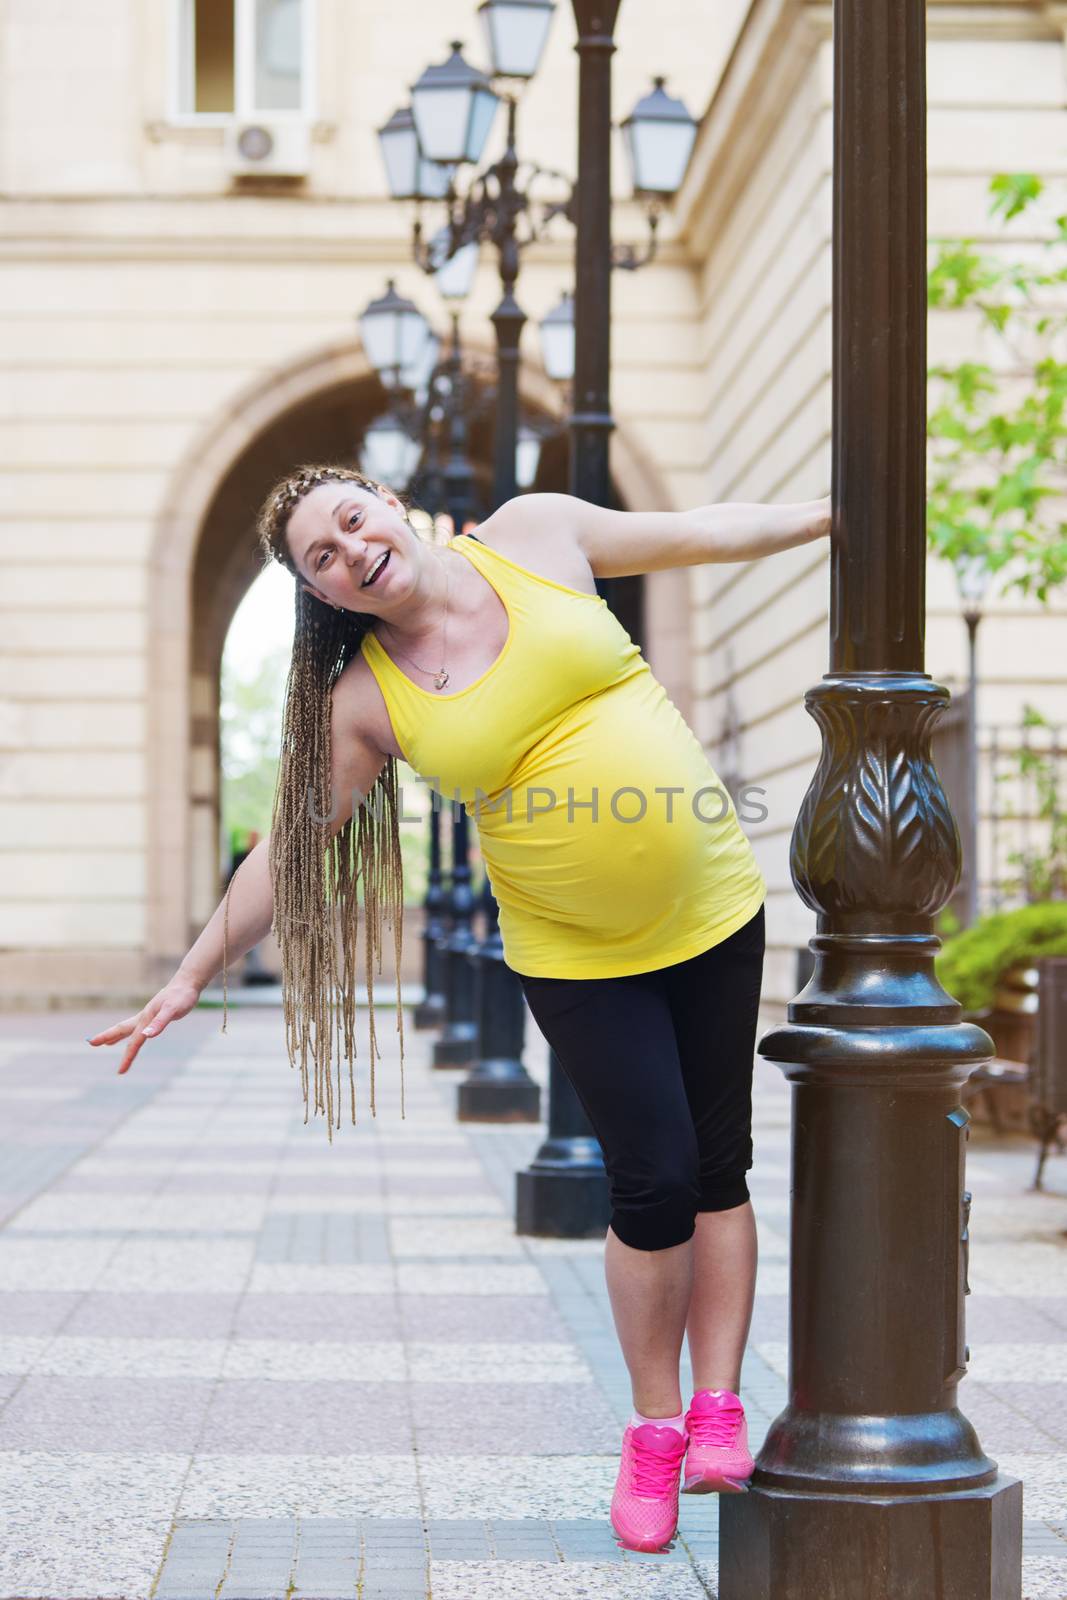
(236, 1361)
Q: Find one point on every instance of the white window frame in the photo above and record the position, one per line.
(182, 65)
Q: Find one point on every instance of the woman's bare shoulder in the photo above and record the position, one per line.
(537, 531)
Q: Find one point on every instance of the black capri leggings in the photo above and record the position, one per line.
(662, 1064)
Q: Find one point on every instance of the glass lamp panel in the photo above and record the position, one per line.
(659, 154)
(527, 457)
(455, 276)
(400, 154)
(392, 330)
(972, 579)
(415, 372)
(389, 453)
(516, 31)
(483, 111)
(434, 179)
(442, 117)
(557, 341)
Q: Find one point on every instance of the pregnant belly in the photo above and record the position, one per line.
(611, 821)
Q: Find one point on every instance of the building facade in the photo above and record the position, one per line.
(177, 331)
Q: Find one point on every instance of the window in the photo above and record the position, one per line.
(243, 58)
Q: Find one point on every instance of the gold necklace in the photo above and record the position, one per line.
(441, 676)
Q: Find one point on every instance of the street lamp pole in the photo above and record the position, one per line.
(972, 580)
(871, 1484)
(591, 420)
(498, 1088)
(972, 616)
(564, 1190)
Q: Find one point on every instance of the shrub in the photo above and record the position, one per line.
(972, 963)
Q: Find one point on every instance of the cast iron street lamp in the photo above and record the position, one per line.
(972, 579)
(564, 1190)
(557, 340)
(453, 106)
(871, 1484)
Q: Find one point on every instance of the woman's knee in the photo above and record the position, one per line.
(658, 1213)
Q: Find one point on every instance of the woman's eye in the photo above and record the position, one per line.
(321, 558)
(352, 518)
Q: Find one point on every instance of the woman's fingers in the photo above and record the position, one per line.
(113, 1035)
(136, 1041)
(157, 1023)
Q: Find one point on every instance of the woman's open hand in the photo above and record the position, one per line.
(175, 1000)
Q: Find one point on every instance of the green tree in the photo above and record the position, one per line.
(994, 462)
(251, 729)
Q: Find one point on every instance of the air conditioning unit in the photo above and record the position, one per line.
(268, 149)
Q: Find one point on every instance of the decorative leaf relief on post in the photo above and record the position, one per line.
(875, 832)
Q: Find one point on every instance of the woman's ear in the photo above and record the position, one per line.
(309, 588)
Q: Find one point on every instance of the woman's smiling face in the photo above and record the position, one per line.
(341, 534)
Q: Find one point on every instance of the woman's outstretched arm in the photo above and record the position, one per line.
(621, 543)
(355, 765)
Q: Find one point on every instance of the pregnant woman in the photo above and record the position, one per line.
(631, 904)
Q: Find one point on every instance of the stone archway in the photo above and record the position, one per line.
(204, 559)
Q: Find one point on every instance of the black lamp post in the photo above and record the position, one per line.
(564, 1190)
(972, 579)
(453, 106)
(872, 1484)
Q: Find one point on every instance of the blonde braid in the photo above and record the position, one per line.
(316, 886)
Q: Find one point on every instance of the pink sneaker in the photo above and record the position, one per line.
(718, 1460)
(644, 1507)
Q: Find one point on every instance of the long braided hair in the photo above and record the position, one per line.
(315, 880)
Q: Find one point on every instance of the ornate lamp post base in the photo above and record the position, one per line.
(429, 1013)
(787, 1544)
(457, 1046)
(499, 1088)
(498, 1091)
(563, 1193)
(871, 1484)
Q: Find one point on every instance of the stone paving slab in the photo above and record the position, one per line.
(237, 1361)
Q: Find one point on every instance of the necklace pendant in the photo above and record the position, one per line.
(440, 679)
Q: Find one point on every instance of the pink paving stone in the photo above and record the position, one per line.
(999, 1426)
(139, 1183)
(334, 1318)
(105, 1414)
(35, 1311)
(429, 1186)
(1008, 1319)
(250, 1416)
(153, 1316)
(364, 1184)
(1045, 1404)
(458, 1319)
(513, 1419)
(218, 1183)
(770, 1318)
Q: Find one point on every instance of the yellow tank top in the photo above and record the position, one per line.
(610, 845)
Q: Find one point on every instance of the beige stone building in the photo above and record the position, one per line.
(175, 331)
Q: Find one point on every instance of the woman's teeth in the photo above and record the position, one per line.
(378, 566)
